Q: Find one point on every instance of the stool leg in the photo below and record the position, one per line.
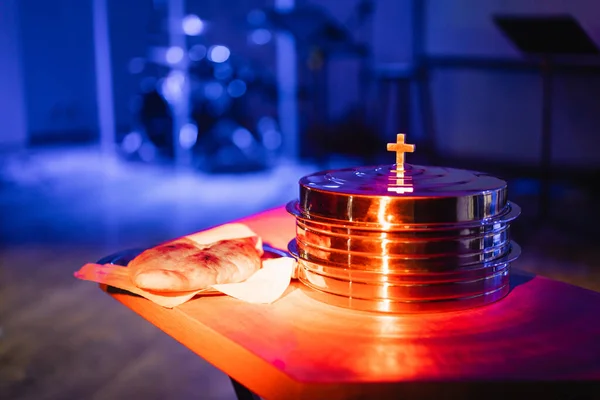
(242, 392)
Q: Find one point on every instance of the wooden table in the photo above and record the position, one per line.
(544, 337)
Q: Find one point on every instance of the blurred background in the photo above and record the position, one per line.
(127, 123)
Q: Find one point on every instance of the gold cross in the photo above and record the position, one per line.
(400, 147)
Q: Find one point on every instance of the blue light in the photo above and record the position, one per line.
(172, 86)
(218, 54)
(147, 152)
(223, 71)
(266, 124)
(242, 138)
(132, 142)
(192, 25)
(272, 139)
(236, 88)
(269, 130)
(197, 52)
(174, 55)
(260, 36)
(188, 135)
(213, 90)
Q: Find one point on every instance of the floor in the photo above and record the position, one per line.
(62, 207)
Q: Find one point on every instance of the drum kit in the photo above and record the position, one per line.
(233, 101)
(223, 116)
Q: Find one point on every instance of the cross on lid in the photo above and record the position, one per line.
(400, 147)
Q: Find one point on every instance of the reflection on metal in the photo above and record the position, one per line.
(400, 185)
(409, 239)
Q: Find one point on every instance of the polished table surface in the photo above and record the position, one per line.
(544, 336)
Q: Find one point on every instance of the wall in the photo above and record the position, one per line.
(129, 38)
(13, 133)
(58, 66)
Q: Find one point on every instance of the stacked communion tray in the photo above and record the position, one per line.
(404, 238)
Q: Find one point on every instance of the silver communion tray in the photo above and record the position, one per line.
(404, 240)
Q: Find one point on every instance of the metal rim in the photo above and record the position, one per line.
(406, 236)
(508, 214)
(405, 277)
(513, 253)
(319, 253)
(405, 292)
(407, 307)
(445, 299)
(383, 245)
(429, 194)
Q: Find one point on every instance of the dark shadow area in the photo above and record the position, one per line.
(519, 278)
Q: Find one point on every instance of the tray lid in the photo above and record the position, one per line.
(402, 194)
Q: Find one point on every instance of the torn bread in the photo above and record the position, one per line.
(185, 265)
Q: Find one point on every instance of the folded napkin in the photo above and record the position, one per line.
(264, 286)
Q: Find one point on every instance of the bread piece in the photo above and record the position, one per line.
(183, 265)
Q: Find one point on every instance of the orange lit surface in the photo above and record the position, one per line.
(299, 348)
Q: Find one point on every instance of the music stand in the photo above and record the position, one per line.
(546, 39)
